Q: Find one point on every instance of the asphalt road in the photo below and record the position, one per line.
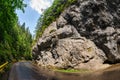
(28, 71)
(25, 71)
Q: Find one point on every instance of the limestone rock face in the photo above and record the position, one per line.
(86, 35)
(72, 53)
(65, 48)
(99, 21)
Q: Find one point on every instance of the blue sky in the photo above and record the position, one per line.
(32, 12)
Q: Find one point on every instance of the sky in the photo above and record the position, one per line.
(32, 13)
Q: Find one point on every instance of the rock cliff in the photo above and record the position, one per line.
(86, 35)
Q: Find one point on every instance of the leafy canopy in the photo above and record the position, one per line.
(15, 39)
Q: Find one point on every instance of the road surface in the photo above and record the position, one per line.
(28, 71)
(25, 71)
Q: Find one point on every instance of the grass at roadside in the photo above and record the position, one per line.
(56, 69)
(72, 70)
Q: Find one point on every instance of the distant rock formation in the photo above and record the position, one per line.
(86, 35)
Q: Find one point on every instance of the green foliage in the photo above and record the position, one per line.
(51, 15)
(72, 70)
(15, 40)
(24, 42)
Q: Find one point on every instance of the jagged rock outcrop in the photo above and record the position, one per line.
(86, 35)
(65, 48)
(99, 21)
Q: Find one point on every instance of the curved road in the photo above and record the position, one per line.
(28, 71)
(25, 71)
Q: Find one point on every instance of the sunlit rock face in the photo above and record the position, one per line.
(65, 48)
(86, 35)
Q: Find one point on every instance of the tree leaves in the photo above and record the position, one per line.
(15, 41)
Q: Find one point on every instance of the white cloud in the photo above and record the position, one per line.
(40, 5)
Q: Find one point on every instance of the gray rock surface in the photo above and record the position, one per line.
(65, 48)
(86, 35)
(99, 21)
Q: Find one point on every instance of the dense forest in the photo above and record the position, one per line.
(51, 14)
(15, 39)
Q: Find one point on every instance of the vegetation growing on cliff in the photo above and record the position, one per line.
(51, 14)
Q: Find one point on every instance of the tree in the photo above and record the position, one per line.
(13, 41)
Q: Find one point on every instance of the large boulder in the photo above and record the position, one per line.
(99, 21)
(86, 35)
(65, 48)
